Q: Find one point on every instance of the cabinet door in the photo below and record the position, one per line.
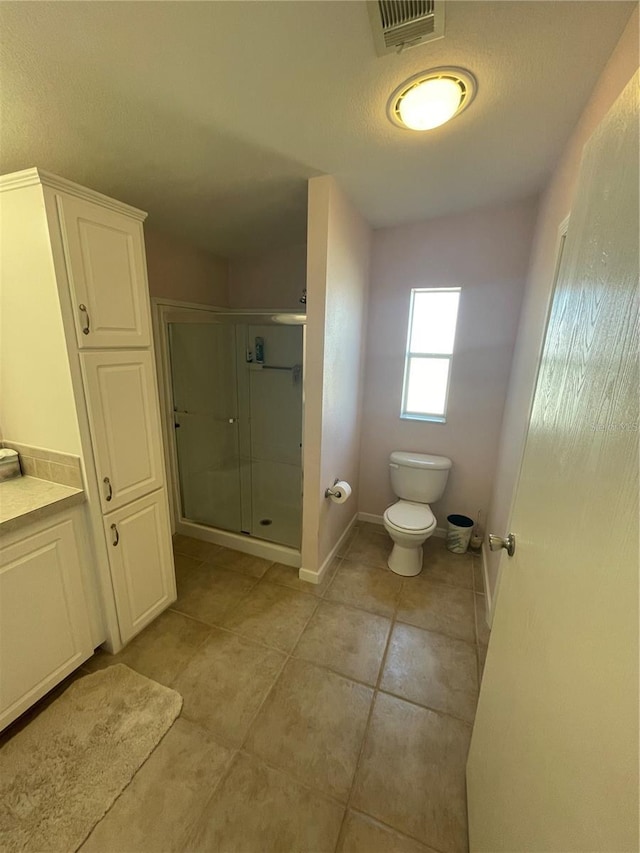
(122, 402)
(107, 273)
(44, 622)
(141, 559)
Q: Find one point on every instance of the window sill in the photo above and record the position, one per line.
(433, 419)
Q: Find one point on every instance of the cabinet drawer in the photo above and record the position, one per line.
(141, 560)
(122, 403)
(44, 621)
(106, 267)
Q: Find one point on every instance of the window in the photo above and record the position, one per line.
(432, 329)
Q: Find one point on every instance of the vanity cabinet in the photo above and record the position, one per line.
(121, 400)
(140, 557)
(104, 253)
(80, 377)
(44, 623)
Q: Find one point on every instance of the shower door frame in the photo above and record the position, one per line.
(162, 309)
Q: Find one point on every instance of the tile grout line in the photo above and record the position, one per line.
(179, 672)
(216, 626)
(212, 627)
(326, 667)
(240, 748)
(374, 697)
(399, 832)
(288, 657)
(376, 689)
(475, 621)
(376, 693)
(303, 783)
(321, 599)
(340, 558)
(212, 562)
(126, 787)
(191, 833)
(245, 595)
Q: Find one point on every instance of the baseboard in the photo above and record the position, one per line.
(316, 577)
(240, 542)
(487, 588)
(370, 518)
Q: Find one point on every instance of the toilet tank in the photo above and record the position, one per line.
(418, 477)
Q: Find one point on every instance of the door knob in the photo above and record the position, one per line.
(497, 542)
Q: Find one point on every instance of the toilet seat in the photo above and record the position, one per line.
(409, 517)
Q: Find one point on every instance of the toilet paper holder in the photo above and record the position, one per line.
(339, 493)
(330, 492)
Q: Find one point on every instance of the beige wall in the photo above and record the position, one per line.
(178, 270)
(555, 205)
(339, 243)
(486, 253)
(273, 279)
(37, 402)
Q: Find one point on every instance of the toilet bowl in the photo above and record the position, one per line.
(417, 479)
(409, 525)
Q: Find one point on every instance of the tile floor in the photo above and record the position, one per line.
(316, 718)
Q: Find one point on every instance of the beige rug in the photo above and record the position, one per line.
(61, 773)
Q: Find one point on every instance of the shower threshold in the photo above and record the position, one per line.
(241, 542)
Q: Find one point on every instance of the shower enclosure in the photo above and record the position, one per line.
(237, 405)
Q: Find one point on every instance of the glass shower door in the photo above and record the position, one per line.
(275, 415)
(205, 403)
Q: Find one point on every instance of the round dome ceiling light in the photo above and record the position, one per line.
(431, 98)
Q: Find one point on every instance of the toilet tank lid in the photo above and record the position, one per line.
(420, 460)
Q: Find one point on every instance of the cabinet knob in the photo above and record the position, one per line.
(86, 328)
(116, 535)
(107, 483)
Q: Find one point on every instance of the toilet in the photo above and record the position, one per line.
(418, 479)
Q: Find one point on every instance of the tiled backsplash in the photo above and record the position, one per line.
(48, 464)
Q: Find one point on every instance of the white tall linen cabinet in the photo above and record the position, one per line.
(82, 378)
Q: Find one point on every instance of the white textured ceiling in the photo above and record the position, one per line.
(211, 115)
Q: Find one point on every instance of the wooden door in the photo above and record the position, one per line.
(120, 390)
(553, 763)
(141, 560)
(106, 266)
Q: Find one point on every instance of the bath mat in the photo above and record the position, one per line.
(60, 775)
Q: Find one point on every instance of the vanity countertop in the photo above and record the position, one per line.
(27, 499)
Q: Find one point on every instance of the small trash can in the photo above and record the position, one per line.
(459, 533)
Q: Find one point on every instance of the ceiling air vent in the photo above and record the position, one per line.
(399, 24)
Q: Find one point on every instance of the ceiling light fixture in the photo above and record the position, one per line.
(431, 98)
